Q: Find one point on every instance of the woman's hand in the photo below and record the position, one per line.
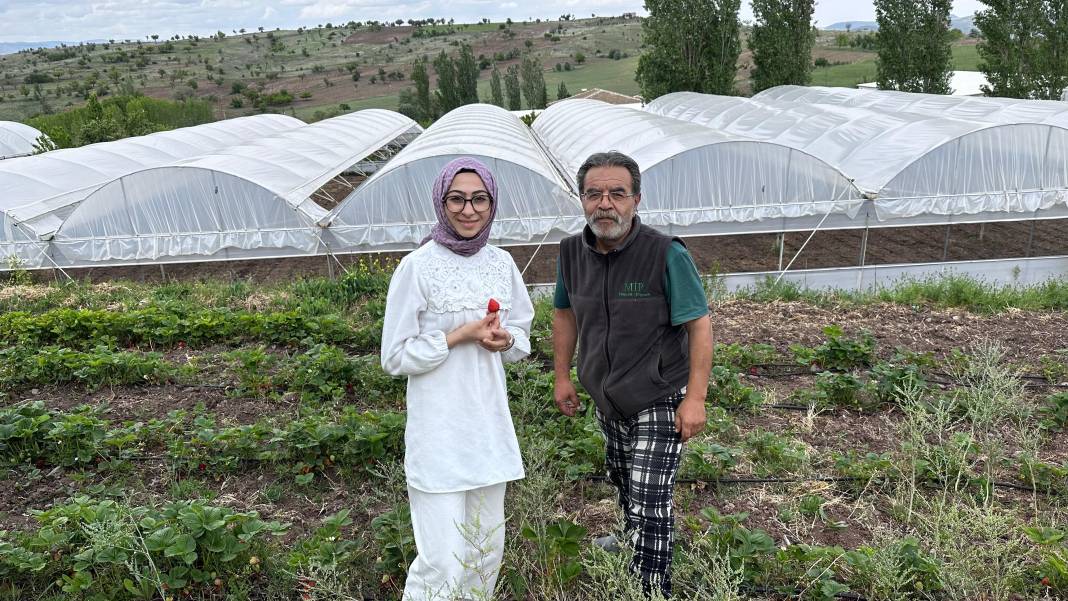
(498, 340)
(475, 331)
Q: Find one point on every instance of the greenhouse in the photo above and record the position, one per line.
(819, 177)
(969, 108)
(911, 164)
(250, 200)
(392, 209)
(695, 180)
(17, 139)
(40, 191)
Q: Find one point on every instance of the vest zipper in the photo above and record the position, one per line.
(607, 329)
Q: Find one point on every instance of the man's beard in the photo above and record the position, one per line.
(617, 230)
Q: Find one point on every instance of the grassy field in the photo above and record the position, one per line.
(965, 58)
(237, 440)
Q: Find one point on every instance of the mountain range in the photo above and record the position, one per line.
(965, 24)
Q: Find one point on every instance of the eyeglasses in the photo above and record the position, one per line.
(456, 202)
(595, 195)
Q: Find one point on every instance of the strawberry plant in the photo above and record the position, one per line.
(742, 356)
(837, 389)
(557, 550)
(708, 460)
(748, 550)
(21, 367)
(106, 549)
(1054, 412)
(320, 374)
(395, 538)
(774, 454)
(1053, 545)
(838, 353)
(725, 389)
(327, 547)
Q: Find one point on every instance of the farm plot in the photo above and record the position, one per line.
(236, 440)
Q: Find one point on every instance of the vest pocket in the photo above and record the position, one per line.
(655, 370)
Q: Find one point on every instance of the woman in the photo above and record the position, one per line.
(460, 446)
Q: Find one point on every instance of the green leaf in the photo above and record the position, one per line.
(182, 545)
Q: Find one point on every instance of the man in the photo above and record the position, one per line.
(633, 301)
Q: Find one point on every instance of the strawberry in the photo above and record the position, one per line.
(493, 306)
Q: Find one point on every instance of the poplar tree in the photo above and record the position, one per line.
(781, 41)
(496, 94)
(914, 45)
(513, 88)
(690, 45)
(447, 96)
(1024, 48)
(467, 76)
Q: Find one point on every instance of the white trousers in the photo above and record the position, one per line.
(459, 538)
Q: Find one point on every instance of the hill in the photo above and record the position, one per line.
(318, 72)
(321, 69)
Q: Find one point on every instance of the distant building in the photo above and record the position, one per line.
(607, 96)
(963, 83)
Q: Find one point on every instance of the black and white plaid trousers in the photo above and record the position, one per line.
(642, 460)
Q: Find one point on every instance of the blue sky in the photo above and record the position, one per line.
(39, 20)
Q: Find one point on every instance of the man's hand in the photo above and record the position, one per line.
(566, 397)
(690, 417)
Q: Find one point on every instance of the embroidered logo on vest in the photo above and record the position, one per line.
(634, 290)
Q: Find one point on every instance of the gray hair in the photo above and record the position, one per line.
(611, 158)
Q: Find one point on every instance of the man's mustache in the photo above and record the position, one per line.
(606, 215)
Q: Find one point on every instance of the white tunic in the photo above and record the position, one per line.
(459, 434)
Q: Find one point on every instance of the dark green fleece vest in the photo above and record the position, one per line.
(629, 354)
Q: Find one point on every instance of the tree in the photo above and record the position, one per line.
(513, 88)
(781, 41)
(1024, 48)
(561, 92)
(447, 96)
(914, 45)
(496, 94)
(690, 45)
(533, 83)
(423, 108)
(467, 75)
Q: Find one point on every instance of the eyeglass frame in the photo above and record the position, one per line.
(584, 193)
(455, 193)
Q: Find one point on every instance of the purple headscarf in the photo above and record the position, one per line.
(443, 233)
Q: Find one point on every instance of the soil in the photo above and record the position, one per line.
(1023, 335)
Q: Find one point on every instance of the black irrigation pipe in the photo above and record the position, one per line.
(831, 479)
(786, 370)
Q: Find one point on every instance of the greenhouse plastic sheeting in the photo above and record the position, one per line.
(968, 108)
(910, 163)
(393, 210)
(695, 176)
(37, 192)
(38, 185)
(253, 196)
(17, 139)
